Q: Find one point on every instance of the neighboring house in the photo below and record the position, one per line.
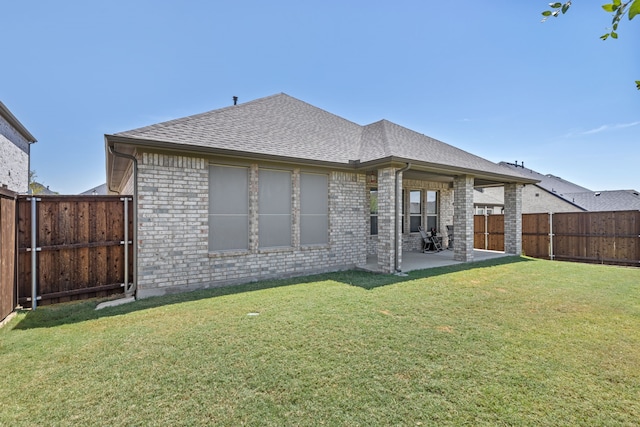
(100, 190)
(554, 194)
(277, 187)
(15, 149)
(37, 188)
(488, 201)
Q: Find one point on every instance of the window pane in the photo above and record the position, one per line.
(374, 225)
(228, 232)
(314, 229)
(275, 231)
(414, 200)
(416, 221)
(314, 194)
(274, 192)
(432, 222)
(373, 201)
(432, 202)
(228, 190)
(314, 209)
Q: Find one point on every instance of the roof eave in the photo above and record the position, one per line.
(13, 121)
(111, 140)
(447, 170)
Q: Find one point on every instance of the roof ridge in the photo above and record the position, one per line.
(190, 117)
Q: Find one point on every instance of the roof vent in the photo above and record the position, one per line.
(596, 194)
(235, 100)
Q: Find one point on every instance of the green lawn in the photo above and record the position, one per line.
(505, 342)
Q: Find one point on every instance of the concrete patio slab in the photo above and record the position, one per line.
(419, 261)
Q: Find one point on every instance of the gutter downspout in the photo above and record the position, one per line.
(134, 288)
(397, 216)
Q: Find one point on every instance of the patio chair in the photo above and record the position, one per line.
(430, 240)
(450, 236)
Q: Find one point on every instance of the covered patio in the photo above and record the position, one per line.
(417, 260)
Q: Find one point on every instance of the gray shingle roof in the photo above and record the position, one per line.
(551, 183)
(276, 125)
(599, 201)
(593, 201)
(280, 125)
(386, 139)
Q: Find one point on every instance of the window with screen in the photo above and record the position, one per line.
(314, 209)
(228, 208)
(274, 207)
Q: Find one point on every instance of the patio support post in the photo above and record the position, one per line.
(513, 219)
(463, 218)
(386, 219)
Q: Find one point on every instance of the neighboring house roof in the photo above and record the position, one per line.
(551, 183)
(617, 200)
(100, 190)
(280, 127)
(15, 123)
(581, 197)
(38, 188)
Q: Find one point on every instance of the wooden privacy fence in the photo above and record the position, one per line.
(7, 252)
(594, 237)
(73, 247)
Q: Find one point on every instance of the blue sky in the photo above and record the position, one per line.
(487, 77)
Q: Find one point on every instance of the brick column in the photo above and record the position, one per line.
(513, 219)
(445, 213)
(463, 218)
(386, 218)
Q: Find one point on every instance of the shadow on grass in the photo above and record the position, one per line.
(56, 315)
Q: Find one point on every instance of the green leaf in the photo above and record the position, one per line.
(614, 35)
(616, 3)
(638, 84)
(555, 5)
(546, 13)
(608, 7)
(634, 9)
(565, 7)
(604, 36)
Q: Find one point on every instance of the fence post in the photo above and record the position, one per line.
(34, 249)
(551, 256)
(486, 231)
(126, 242)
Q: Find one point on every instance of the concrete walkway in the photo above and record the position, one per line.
(419, 260)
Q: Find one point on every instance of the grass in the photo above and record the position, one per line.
(508, 342)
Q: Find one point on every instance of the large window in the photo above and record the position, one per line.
(228, 208)
(415, 210)
(432, 210)
(373, 211)
(314, 209)
(274, 207)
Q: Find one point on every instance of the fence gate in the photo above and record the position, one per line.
(488, 232)
(73, 247)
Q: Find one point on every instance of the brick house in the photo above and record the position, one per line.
(276, 187)
(15, 150)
